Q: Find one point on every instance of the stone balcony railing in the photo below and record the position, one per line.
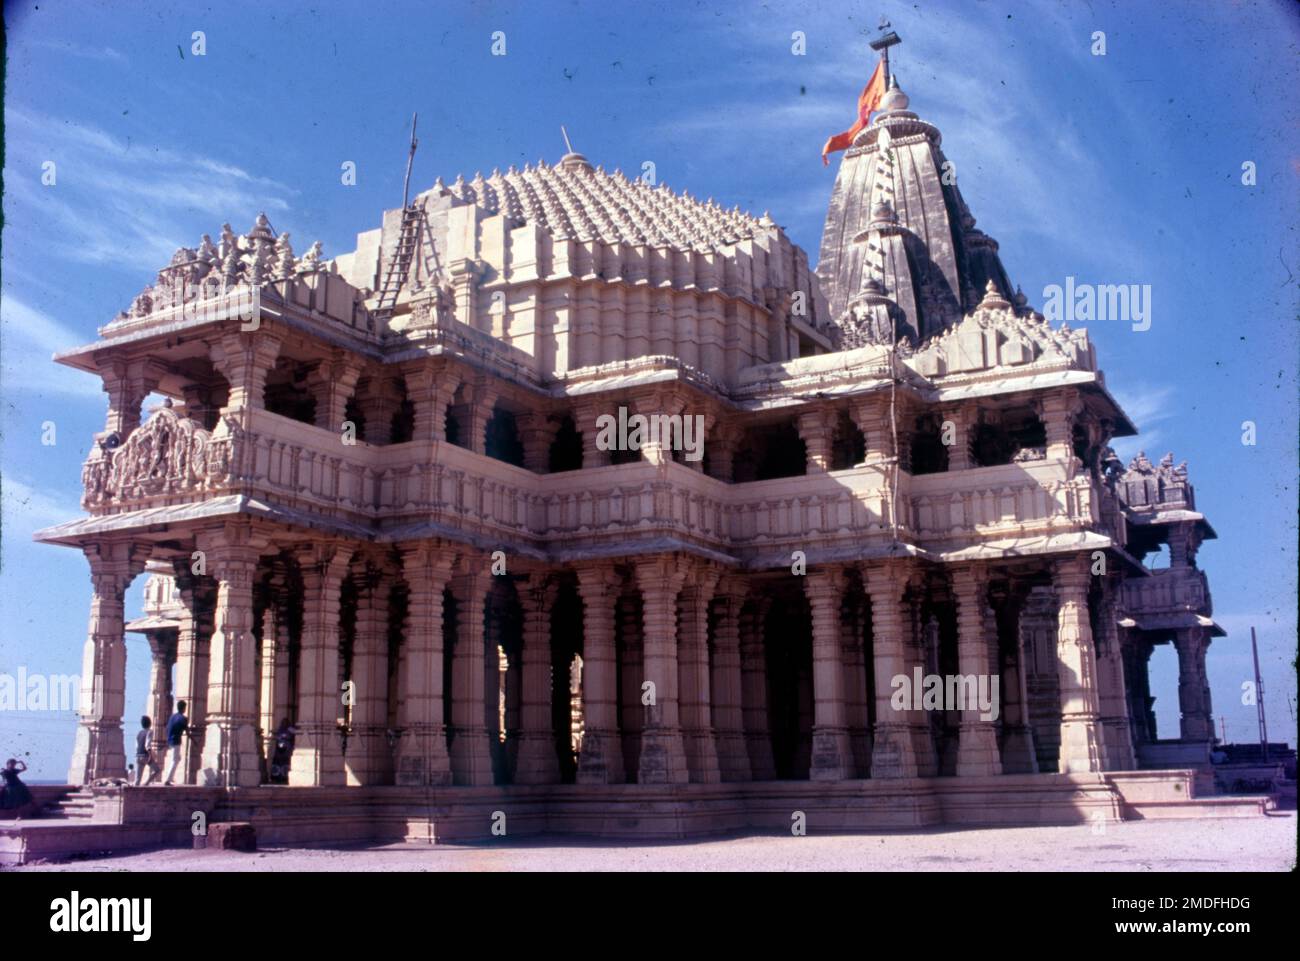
(283, 463)
(1169, 590)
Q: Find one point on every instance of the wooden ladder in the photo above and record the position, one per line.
(395, 276)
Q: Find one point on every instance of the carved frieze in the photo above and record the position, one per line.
(167, 454)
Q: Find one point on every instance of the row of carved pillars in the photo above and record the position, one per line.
(675, 680)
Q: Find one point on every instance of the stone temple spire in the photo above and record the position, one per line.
(896, 216)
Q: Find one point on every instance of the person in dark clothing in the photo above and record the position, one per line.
(144, 754)
(284, 738)
(15, 798)
(177, 726)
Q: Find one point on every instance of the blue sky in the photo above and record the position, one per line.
(1123, 168)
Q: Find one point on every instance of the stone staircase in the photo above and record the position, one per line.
(76, 805)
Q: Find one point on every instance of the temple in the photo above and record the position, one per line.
(374, 503)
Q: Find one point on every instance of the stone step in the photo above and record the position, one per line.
(1202, 807)
(76, 805)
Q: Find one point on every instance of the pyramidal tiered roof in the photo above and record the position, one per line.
(573, 199)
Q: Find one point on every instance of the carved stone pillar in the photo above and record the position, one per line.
(332, 383)
(1112, 693)
(471, 749)
(817, 428)
(1197, 721)
(422, 750)
(832, 757)
(1083, 747)
(99, 750)
(893, 753)
(585, 416)
(380, 404)
(162, 648)
(537, 761)
(230, 749)
(430, 389)
(663, 755)
(193, 638)
(977, 740)
(726, 701)
(723, 442)
(963, 421)
(601, 760)
(693, 678)
(318, 752)
(369, 758)
(536, 432)
(753, 678)
(656, 449)
(127, 384)
(482, 402)
(1058, 412)
(244, 358)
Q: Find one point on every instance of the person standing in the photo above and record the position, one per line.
(177, 726)
(144, 756)
(14, 795)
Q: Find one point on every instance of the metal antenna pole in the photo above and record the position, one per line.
(410, 159)
(1259, 697)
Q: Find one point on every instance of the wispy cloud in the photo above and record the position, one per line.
(81, 51)
(30, 338)
(26, 508)
(1147, 406)
(116, 201)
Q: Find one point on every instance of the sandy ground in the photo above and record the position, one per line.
(1245, 844)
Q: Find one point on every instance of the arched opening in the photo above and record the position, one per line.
(769, 451)
(858, 671)
(938, 616)
(353, 414)
(788, 656)
(566, 680)
(403, 421)
(848, 443)
(1006, 436)
(502, 438)
(928, 453)
(566, 448)
(503, 666)
(287, 392)
(628, 669)
(398, 606)
(1162, 686)
(450, 636)
(347, 648)
(1038, 616)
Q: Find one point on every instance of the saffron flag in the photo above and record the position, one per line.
(868, 101)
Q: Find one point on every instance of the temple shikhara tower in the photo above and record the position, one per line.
(371, 497)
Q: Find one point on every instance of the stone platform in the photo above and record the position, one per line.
(133, 819)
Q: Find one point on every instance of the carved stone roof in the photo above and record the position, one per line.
(574, 200)
(998, 335)
(257, 257)
(893, 216)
